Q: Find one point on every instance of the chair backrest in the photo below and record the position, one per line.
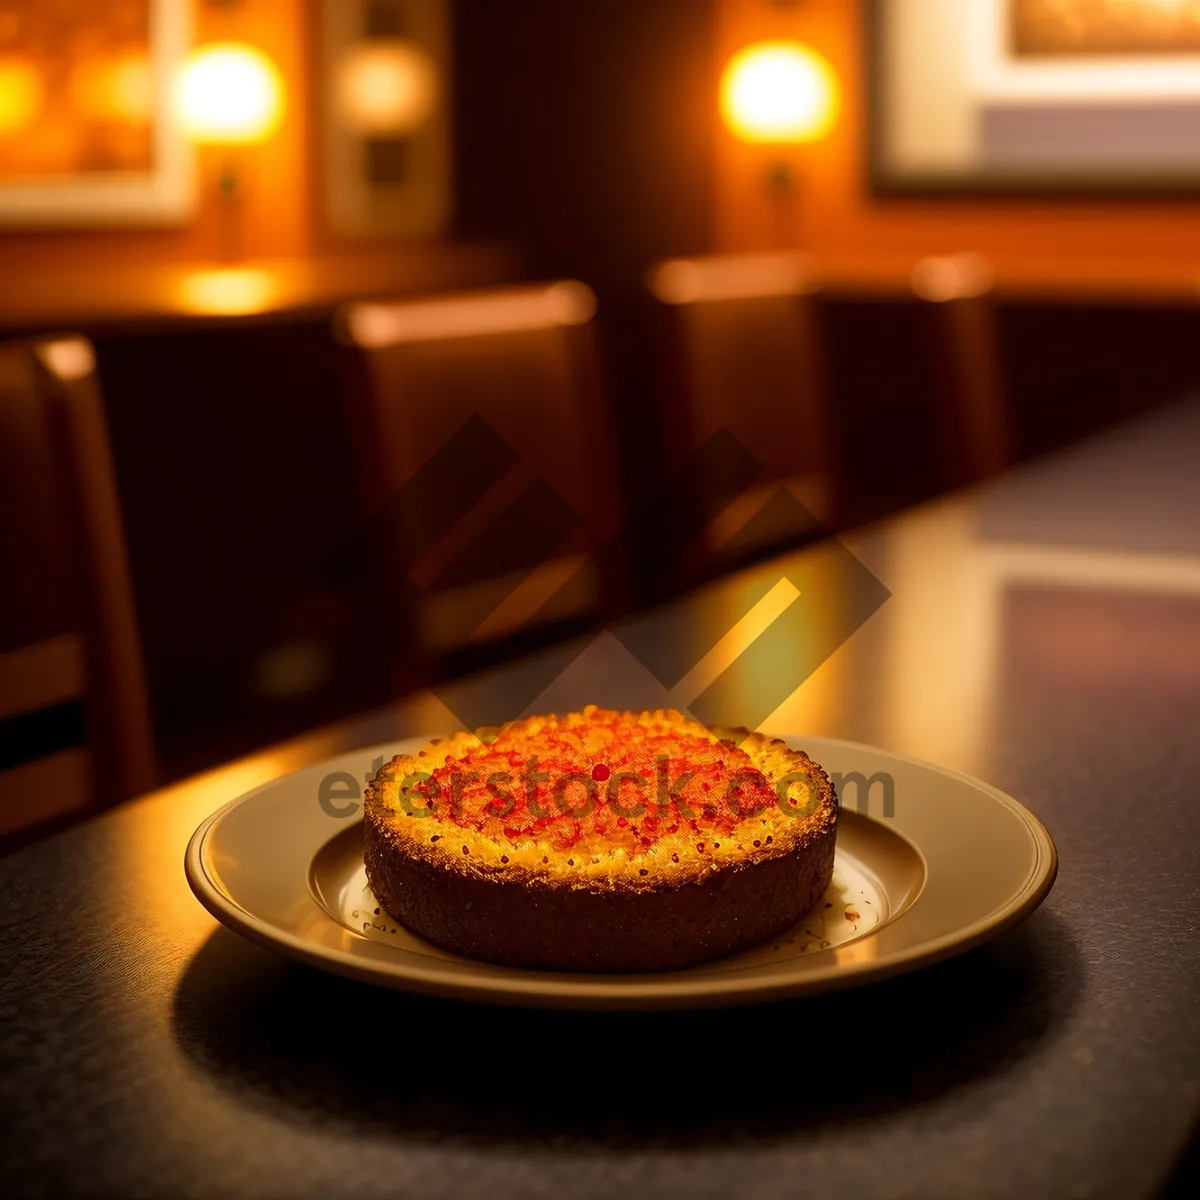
(976, 416)
(74, 719)
(742, 357)
(1082, 357)
(861, 399)
(915, 385)
(486, 442)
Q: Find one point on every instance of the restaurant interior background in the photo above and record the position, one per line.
(264, 263)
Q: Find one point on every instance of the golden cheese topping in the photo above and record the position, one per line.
(602, 796)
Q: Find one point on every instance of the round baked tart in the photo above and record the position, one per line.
(600, 841)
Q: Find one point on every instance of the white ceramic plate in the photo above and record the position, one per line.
(953, 863)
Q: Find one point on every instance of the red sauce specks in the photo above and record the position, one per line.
(558, 786)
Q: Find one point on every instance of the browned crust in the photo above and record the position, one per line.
(571, 929)
(629, 914)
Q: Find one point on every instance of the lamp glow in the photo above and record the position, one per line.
(67, 358)
(730, 277)
(230, 94)
(957, 277)
(20, 94)
(228, 291)
(509, 310)
(779, 92)
(114, 89)
(387, 86)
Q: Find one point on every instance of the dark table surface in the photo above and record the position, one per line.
(1043, 633)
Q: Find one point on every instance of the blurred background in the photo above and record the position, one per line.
(349, 345)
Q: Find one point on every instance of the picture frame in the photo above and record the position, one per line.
(154, 190)
(975, 99)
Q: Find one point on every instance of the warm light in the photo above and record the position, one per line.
(114, 89)
(779, 92)
(230, 291)
(956, 277)
(729, 277)
(570, 303)
(20, 95)
(230, 94)
(386, 86)
(68, 358)
(864, 951)
(743, 634)
(513, 311)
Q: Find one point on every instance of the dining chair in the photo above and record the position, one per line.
(75, 730)
(915, 385)
(744, 383)
(976, 414)
(487, 458)
(1083, 357)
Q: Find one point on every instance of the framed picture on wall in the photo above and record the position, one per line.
(87, 135)
(1035, 95)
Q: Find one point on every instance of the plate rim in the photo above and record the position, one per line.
(512, 986)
